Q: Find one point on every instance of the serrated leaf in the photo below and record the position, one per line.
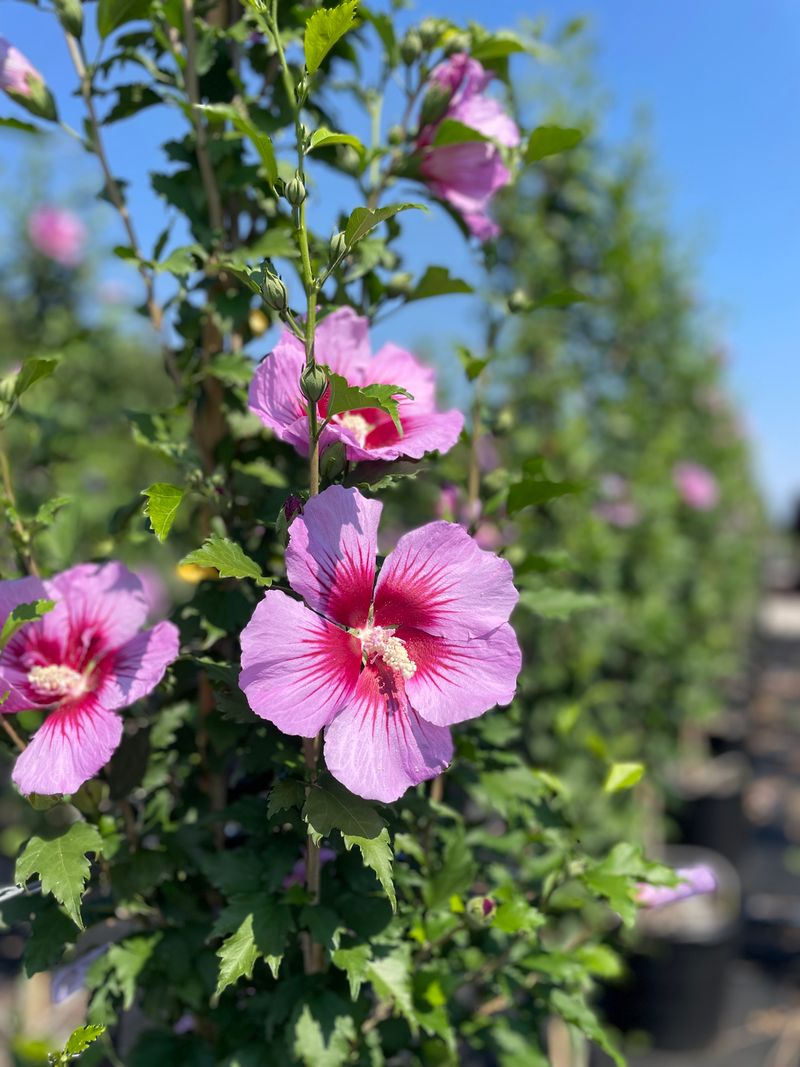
(391, 978)
(325, 27)
(329, 806)
(80, 1039)
(345, 397)
(377, 854)
(163, 501)
(375, 475)
(531, 491)
(33, 371)
(324, 1032)
(623, 776)
(228, 558)
(260, 140)
(353, 961)
(285, 794)
(113, 13)
(62, 865)
(324, 137)
(573, 1009)
(549, 140)
(451, 131)
(365, 219)
(437, 281)
(21, 614)
(558, 603)
(237, 956)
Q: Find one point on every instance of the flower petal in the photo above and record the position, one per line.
(342, 343)
(455, 681)
(438, 580)
(68, 749)
(393, 365)
(105, 603)
(434, 431)
(330, 560)
(13, 678)
(378, 747)
(275, 390)
(298, 670)
(137, 668)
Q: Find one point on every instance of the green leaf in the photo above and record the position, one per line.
(365, 219)
(437, 281)
(80, 1039)
(324, 137)
(285, 794)
(561, 298)
(18, 124)
(113, 13)
(21, 614)
(451, 131)
(623, 776)
(325, 27)
(237, 956)
(473, 366)
(228, 558)
(455, 875)
(246, 126)
(573, 1009)
(549, 140)
(344, 397)
(62, 864)
(532, 491)
(354, 962)
(163, 501)
(330, 806)
(33, 371)
(324, 1033)
(377, 854)
(391, 979)
(558, 603)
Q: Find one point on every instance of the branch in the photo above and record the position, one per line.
(193, 92)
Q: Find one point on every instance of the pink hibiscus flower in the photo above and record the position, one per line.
(81, 663)
(58, 234)
(342, 344)
(694, 882)
(697, 486)
(15, 70)
(467, 175)
(386, 668)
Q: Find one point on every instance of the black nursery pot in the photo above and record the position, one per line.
(709, 805)
(677, 976)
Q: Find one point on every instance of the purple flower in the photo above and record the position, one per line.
(16, 71)
(343, 345)
(694, 882)
(697, 486)
(452, 507)
(297, 875)
(81, 663)
(467, 175)
(58, 234)
(386, 668)
(621, 513)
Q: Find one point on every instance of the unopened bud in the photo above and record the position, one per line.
(430, 32)
(400, 284)
(519, 301)
(313, 383)
(480, 911)
(458, 42)
(333, 461)
(435, 104)
(292, 507)
(396, 135)
(274, 292)
(411, 47)
(338, 246)
(349, 160)
(295, 191)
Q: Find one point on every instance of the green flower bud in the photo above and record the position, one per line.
(338, 246)
(349, 160)
(313, 383)
(274, 292)
(430, 32)
(480, 911)
(457, 42)
(396, 135)
(333, 461)
(295, 191)
(434, 104)
(400, 284)
(519, 301)
(411, 47)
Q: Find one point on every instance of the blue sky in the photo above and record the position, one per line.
(720, 82)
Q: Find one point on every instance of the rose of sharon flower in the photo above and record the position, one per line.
(697, 486)
(58, 234)
(694, 882)
(467, 175)
(81, 663)
(16, 71)
(386, 668)
(342, 344)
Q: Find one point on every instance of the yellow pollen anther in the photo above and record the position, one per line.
(378, 641)
(56, 681)
(356, 424)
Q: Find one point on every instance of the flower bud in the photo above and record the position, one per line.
(349, 160)
(435, 104)
(292, 507)
(480, 911)
(411, 47)
(519, 301)
(24, 84)
(396, 135)
(430, 32)
(338, 246)
(70, 15)
(333, 461)
(295, 191)
(457, 42)
(313, 383)
(274, 292)
(400, 284)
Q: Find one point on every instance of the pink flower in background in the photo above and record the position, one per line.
(15, 70)
(81, 663)
(697, 486)
(617, 509)
(454, 508)
(694, 882)
(297, 876)
(342, 344)
(468, 174)
(58, 234)
(386, 668)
